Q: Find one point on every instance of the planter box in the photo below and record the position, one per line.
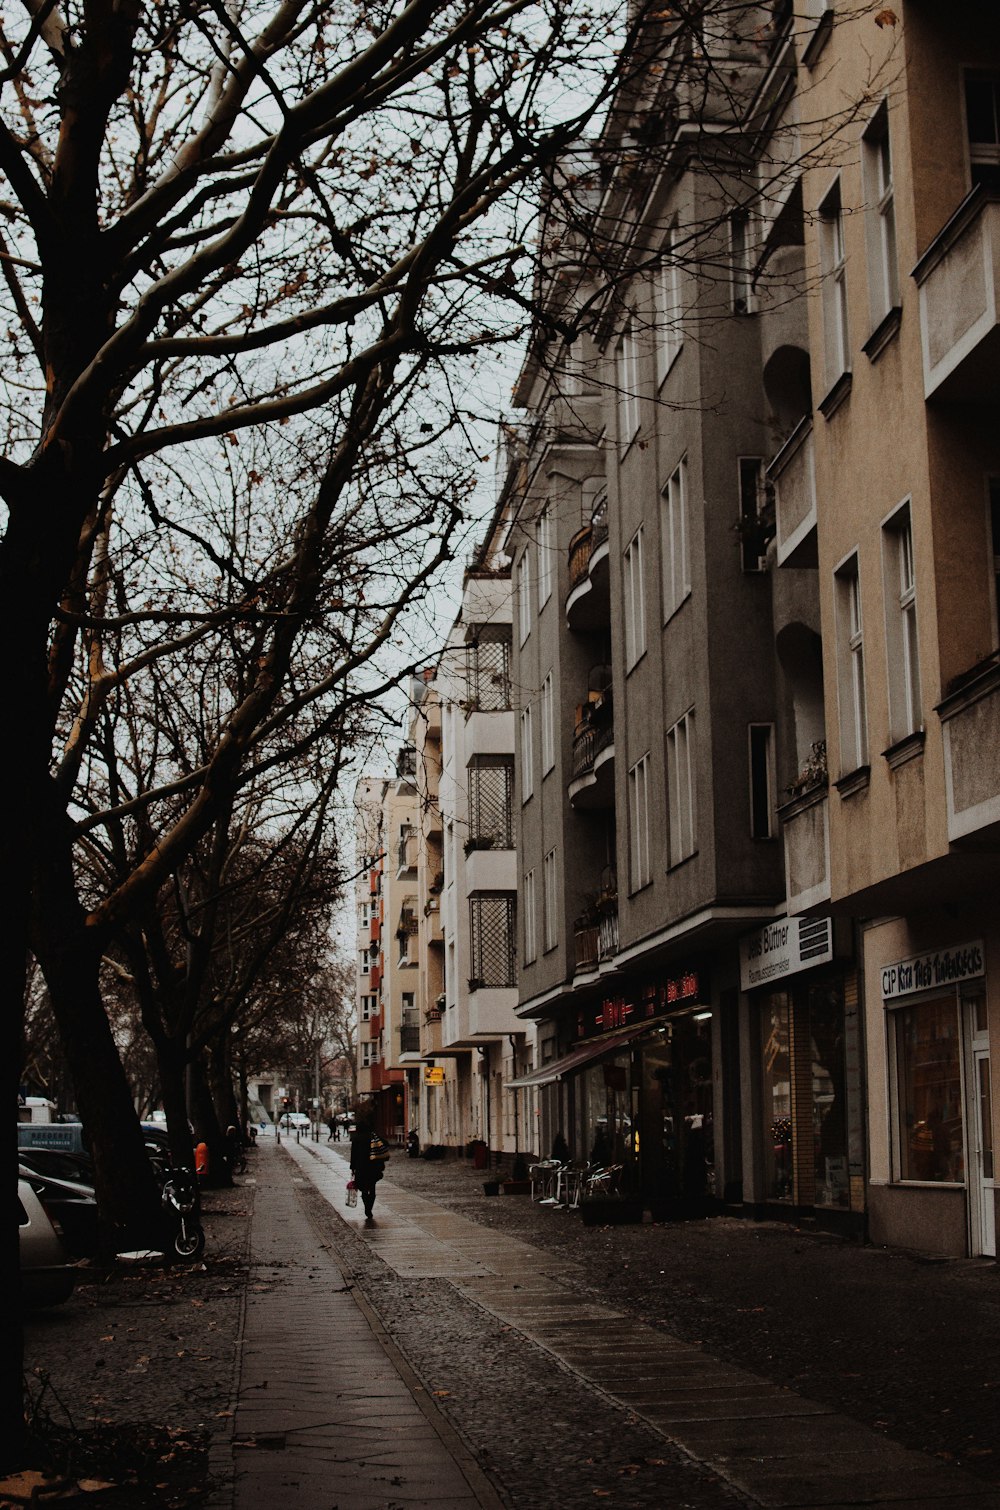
(517, 1187)
(615, 1211)
(491, 1187)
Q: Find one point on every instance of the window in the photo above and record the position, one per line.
(363, 962)
(880, 218)
(487, 675)
(524, 596)
(548, 725)
(905, 715)
(833, 267)
(491, 798)
(676, 567)
(670, 330)
(369, 1055)
(761, 748)
(635, 605)
(851, 668)
(928, 1092)
(369, 1008)
(543, 535)
(638, 800)
(491, 929)
(982, 116)
(680, 789)
(752, 526)
(739, 261)
(628, 384)
(530, 935)
(550, 903)
(527, 755)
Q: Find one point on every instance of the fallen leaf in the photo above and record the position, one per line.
(94, 1486)
(442, 1394)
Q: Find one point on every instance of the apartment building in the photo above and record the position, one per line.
(903, 523)
(388, 974)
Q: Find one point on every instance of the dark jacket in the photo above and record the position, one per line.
(365, 1169)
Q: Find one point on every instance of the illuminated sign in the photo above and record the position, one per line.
(654, 999)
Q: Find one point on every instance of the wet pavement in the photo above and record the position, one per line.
(435, 1359)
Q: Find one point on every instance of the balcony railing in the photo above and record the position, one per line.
(409, 1039)
(596, 933)
(580, 550)
(595, 727)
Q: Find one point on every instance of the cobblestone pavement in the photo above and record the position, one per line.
(536, 1381)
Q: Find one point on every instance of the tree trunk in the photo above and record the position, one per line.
(206, 1125)
(172, 1063)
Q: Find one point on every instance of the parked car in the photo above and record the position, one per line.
(58, 1164)
(292, 1120)
(70, 1205)
(47, 1277)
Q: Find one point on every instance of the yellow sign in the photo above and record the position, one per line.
(433, 1075)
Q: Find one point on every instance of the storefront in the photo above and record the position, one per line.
(934, 1184)
(804, 1114)
(637, 1090)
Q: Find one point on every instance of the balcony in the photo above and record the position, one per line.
(970, 724)
(595, 933)
(407, 919)
(588, 602)
(806, 830)
(406, 852)
(409, 1039)
(959, 278)
(593, 780)
(792, 474)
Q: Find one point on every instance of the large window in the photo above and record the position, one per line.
(524, 596)
(680, 789)
(547, 709)
(491, 929)
(628, 384)
(676, 555)
(761, 758)
(527, 754)
(491, 794)
(928, 1086)
(739, 258)
(833, 264)
(905, 714)
(543, 536)
(638, 800)
(982, 115)
(530, 925)
(635, 601)
(851, 668)
(880, 218)
(551, 902)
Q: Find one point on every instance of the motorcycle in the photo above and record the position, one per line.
(180, 1200)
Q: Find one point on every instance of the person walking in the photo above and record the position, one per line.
(331, 1123)
(367, 1171)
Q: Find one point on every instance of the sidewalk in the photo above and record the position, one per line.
(328, 1416)
(766, 1442)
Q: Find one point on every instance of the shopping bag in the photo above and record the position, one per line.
(352, 1193)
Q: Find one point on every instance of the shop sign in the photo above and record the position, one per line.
(653, 1000)
(433, 1074)
(939, 967)
(783, 949)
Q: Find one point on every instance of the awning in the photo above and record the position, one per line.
(557, 1068)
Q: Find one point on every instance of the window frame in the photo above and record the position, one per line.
(530, 920)
(880, 216)
(550, 914)
(639, 850)
(634, 601)
(543, 546)
(851, 678)
(668, 298)
(676, 559)
(627, 379)
(681, 776)
(523, 596)
(527, 768)
(833, 270)
(548, 724)
(902, 624)
(770, 784)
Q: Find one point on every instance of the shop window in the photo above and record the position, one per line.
(928, 1092)
(804, 1097)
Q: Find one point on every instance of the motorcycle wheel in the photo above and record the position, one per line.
(190, 1245)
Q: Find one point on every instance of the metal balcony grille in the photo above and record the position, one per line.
(491, 804)
(409, 1039)
(488, 675)
(492, 926)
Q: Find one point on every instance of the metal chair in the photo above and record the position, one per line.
(543, 1180)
